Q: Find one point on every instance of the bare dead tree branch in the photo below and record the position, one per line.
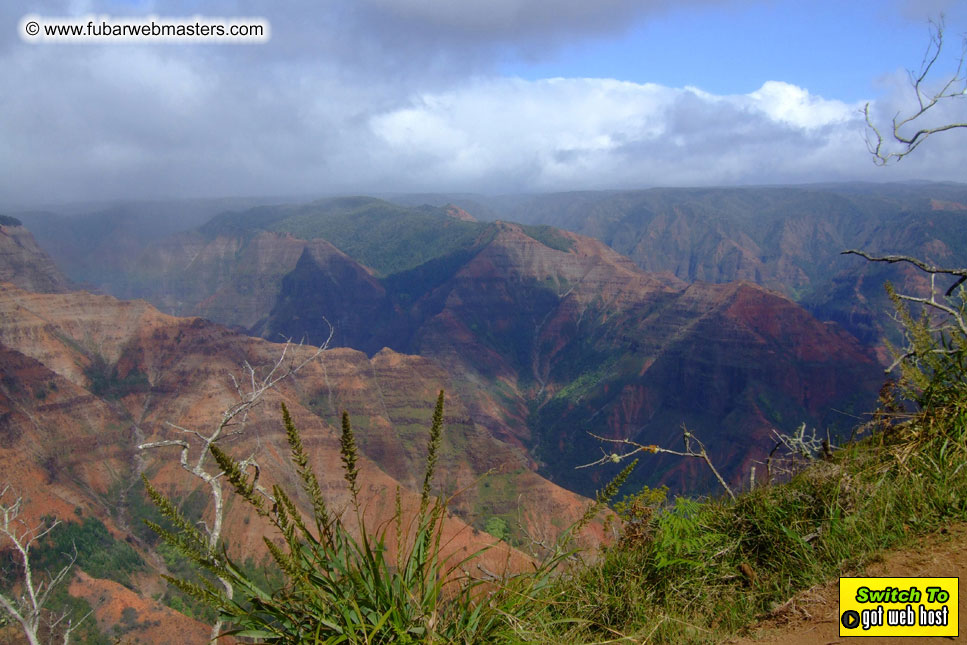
(799, 448)
(635, 448)
(955, 87)
(920, 264)
(955, 314)
(250, 390)
(28, 609)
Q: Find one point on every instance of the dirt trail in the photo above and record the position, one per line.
(812, 617)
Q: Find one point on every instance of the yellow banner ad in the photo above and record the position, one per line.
(898, 606)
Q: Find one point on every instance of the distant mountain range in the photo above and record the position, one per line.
(549, 335)
(785, 238)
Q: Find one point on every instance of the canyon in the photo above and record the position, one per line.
(727, 312)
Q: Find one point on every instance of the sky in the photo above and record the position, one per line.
(491, 96)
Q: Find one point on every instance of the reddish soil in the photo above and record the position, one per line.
(813, 616)
(131, 618)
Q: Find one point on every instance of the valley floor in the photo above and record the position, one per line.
(812, 617)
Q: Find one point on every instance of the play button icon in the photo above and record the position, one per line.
(850, 619)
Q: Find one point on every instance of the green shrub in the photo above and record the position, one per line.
(106, 382)
(933, 363)
(497, 527)
(98, 553)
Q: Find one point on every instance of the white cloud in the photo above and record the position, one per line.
(348, 98)
(598, 133)
(794, 106)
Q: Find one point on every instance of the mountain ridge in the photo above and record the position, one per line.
(786, 238)
(541, 330)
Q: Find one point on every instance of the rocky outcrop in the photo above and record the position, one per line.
(550, 339)
(84, 379)
(25, 264)
(458, 213)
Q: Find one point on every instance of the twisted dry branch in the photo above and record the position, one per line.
(688, 437)
(955, 87)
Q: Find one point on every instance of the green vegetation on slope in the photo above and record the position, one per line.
(106, 381)
(98, 553)
(385, 237)
(685, 571)
(549, 237)
(394, 241)
(342, 588)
